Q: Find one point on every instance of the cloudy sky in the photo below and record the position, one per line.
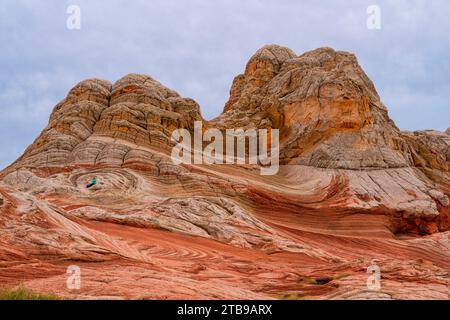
(196, 47)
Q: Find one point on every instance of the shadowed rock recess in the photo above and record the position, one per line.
(352, 190)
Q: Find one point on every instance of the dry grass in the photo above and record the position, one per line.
(22, 293)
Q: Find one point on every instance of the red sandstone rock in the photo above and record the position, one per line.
(353, 190)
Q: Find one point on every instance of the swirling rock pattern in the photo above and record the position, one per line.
(353, 191)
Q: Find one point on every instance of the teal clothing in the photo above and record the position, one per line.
(93, 183)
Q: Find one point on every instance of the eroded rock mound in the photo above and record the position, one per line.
(352, 190)
(327, 109)
(100, 123)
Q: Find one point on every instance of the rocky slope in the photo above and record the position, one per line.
(352, 191)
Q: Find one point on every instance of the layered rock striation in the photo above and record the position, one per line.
(352, 190)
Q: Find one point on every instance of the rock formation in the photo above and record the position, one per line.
(353, 190)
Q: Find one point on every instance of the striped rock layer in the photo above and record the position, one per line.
(352, 191)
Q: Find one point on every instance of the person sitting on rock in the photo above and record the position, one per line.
(93, 183)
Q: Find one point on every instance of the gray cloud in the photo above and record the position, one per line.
(197, 47)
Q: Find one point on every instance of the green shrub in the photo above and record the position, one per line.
(22, 293)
